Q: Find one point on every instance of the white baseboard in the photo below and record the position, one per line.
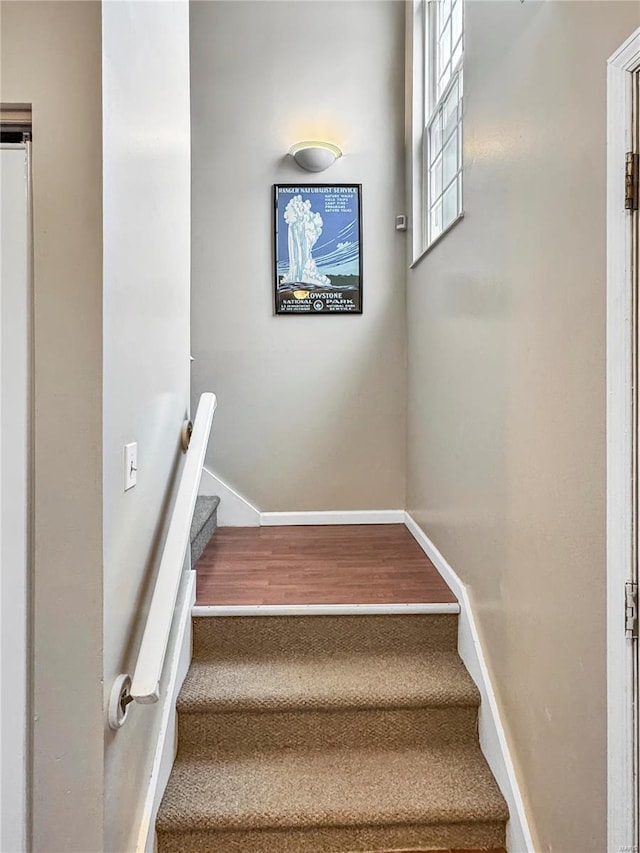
(167, 737)
(321, 609)
(233, 510)
(236, 511)
(492, 735)
(373, 516)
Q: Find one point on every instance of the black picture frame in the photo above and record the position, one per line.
(317, 249)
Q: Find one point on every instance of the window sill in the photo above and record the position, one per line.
(435, 242)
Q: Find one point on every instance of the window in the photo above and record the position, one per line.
(437, 119)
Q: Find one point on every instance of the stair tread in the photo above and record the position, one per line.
(362, 787)
(206, 505)
(361, 681)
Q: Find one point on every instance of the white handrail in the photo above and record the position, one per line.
(145, 685)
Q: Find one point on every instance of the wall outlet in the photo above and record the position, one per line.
(130, 465)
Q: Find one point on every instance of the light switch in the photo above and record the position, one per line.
(130, 465)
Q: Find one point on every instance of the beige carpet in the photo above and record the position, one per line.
(328, 735)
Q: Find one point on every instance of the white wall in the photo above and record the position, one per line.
(15, 491)
(50, 58)
(311, 412)
(507, 391)
(146, 346)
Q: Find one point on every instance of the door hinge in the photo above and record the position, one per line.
(631, 610)
(631, 181)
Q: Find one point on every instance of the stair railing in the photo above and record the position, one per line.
(144, 687)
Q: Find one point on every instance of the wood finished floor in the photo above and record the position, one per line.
(350, 564)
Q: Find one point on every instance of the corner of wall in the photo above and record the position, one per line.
(493, 738)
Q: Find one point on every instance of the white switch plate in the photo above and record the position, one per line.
(130, 465)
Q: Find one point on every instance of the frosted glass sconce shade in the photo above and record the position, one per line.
(315, 156)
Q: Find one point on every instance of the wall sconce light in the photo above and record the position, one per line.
(315, 156)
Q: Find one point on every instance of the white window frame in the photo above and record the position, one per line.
(420, 64)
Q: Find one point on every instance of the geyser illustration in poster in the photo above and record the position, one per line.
(318, 249)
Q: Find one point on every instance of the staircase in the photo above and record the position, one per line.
(328, 733)
(203, 526)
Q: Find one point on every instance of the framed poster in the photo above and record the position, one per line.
(318, 249)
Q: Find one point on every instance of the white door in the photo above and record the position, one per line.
(631, 622)
(15, 442)
(635, 258)
(623, 444)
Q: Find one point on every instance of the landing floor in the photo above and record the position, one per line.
(350, 564)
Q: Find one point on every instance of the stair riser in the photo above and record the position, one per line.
(216, 735)
(338, 839)
(266, 637)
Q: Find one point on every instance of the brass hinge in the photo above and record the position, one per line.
(631, 610)
(631, 181)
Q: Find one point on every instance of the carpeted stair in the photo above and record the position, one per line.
(203, 525)
(328, 734)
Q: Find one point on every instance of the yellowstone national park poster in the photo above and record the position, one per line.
(318, 249)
